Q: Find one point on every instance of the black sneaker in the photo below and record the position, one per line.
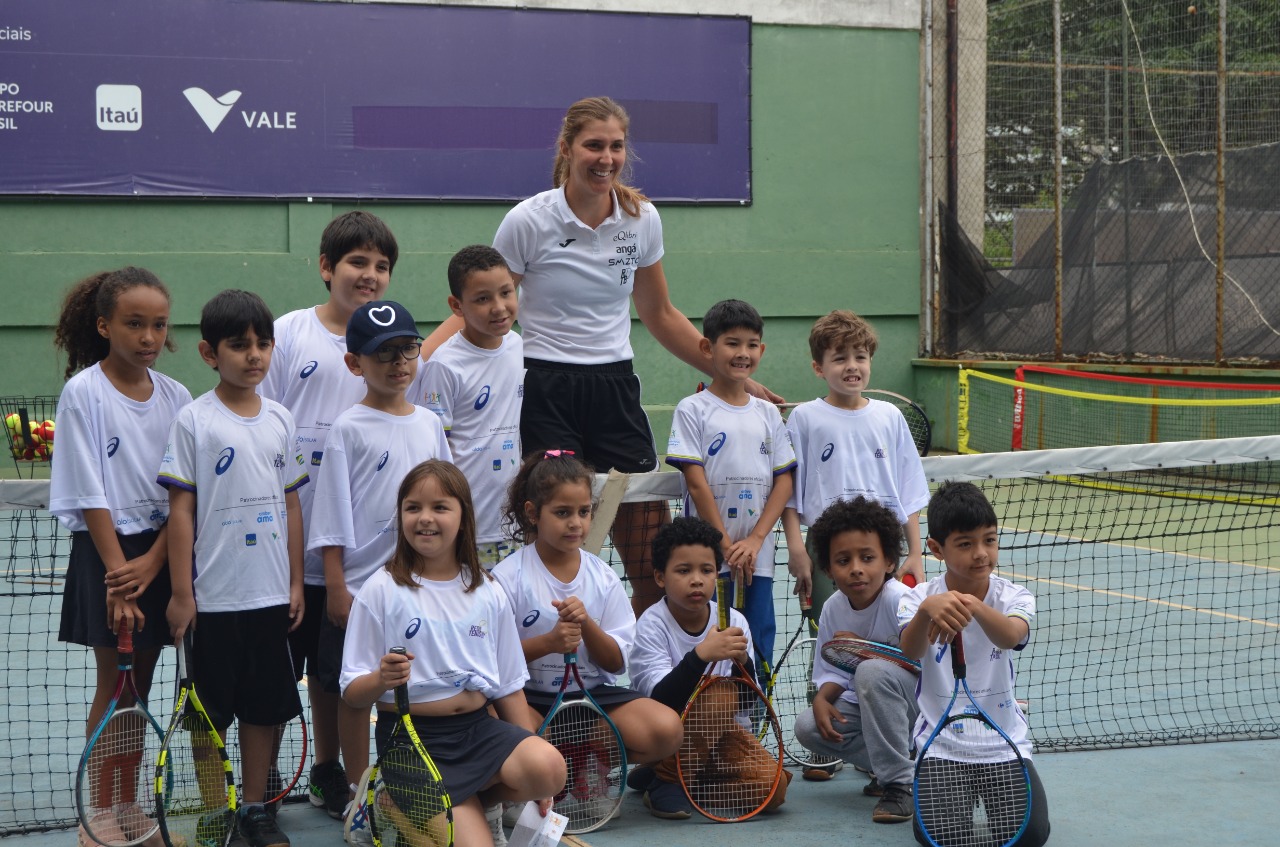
(873, 788)
(329, 789)
(258, 829)
(640, 778)
(668, 801)
(895, 806)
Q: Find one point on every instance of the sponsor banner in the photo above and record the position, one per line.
(269, 98)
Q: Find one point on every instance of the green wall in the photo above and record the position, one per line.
(835, 223)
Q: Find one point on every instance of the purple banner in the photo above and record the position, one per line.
(270, 98)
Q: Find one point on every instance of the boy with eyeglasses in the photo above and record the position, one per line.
(370, 448)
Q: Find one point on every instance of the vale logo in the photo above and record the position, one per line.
(212, 110)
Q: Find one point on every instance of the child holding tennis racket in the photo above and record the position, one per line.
(863, 717)
(233, 471)
(995, 618)
(677, 638)
(463, 652)
(113, 418)
(565, 599)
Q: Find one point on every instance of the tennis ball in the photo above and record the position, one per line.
(45, 431)
(16, 451)
(34, 436)
(14, 422)
(42, 453)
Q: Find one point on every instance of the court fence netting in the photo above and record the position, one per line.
(1156, 569)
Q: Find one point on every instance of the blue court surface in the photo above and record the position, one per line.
(1184, 796)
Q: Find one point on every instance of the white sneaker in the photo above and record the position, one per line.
(493, 814)
(355, 819)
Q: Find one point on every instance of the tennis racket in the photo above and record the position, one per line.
(409, 800)
(195, 787)
(847, 653)
(593, 751)
(289, 758)
(791, 690)
(729, 772)
(110, 788)
(917, 420)
(972, 787)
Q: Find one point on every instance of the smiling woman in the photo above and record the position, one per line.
(582, 253)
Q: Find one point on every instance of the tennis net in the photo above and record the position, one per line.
(999, 414)
(1153, 567)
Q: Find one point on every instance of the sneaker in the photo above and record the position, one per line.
(640, 778)
(274, 786)
(211, 829)
(873, 788)
(493, 814)
(895, 805)
(355, 822)
(821, 773)
(329, 790)
(668, 801)
(258, 829)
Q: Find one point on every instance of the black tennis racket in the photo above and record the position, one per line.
(593, 750)
(113, 802)
(195, 786)
(917, 420)
(972, 787)
(791, 690)
(727, 769)
(410, 803)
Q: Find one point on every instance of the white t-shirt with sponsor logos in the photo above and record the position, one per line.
(575, 295)
(107, 450)
(367, 455)
(478, 393)
(877, 622)
(460, 640)
(661, 644)
(310, 378)
(530, 587)
(989, 669)
(842, 454)
(741, 450)
(240, 470)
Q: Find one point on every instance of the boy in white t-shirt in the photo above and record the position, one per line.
(736, 460)
(848, 445)
(676, 638)
(475, 383)
(311, 379)
(369, 450)
(233, 471)
(995, 616)
(864, 717)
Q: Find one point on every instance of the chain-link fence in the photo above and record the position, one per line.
(1119, 198)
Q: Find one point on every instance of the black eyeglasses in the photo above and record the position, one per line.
(390, 354)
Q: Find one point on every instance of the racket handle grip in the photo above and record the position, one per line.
(402, 690)
(806, 601)
(124, 638)
(722, 603)
(958, 666)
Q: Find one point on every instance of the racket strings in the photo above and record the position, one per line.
(729, 768)
(793, 694)
(115, 792)
(411, 805)
(972, 788)
(193, 779)
(595, 760)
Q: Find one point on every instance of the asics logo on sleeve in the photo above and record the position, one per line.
(225, 458)
(308, 369)
(532, 618)
(482, 399)
(717, 443)
(382, 460)
(414, 626)
(827, 451)
(112, 446)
